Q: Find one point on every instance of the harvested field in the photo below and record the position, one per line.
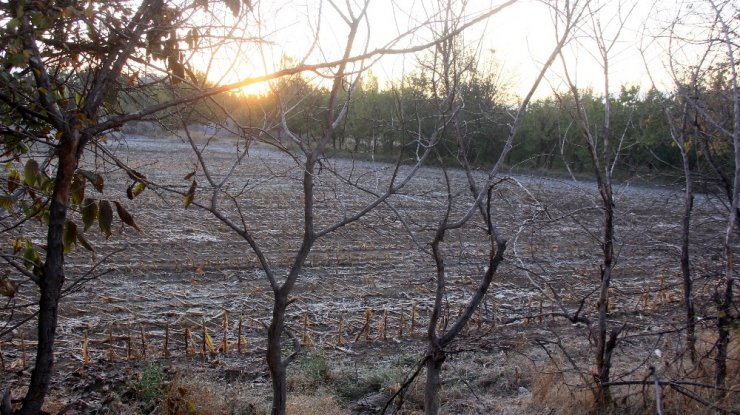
(361, 304)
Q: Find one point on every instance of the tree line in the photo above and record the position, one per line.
(377, 124)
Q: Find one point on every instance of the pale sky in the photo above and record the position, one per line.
(522, 36)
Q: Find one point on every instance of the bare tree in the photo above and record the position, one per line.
(603, 153)
(680, 126)
(725, 297)
(463, 212)
(307, 150)
(711, 93)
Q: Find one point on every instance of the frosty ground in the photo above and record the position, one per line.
(361, 304)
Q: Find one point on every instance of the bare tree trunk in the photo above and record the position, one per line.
(433, 380)
(688, 289)
(603, 350)
(726, 299)
(50, 284)
(68, 151)
(274, 355)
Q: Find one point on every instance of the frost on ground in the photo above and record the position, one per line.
(186, 295)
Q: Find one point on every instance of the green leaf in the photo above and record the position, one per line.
(46, 183)
(31, 172)
(190, 195)
(13, 24)
(135, 189)
(84, 242)
(17, 246)
(18, 59)
(105, 218)
(125, 216)
(96, 179)
(31, 257)
(70, 236)
(39, 20)
(89, 212)
(77, 191)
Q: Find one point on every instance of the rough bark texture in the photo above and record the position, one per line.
(433, 382)
(274, 357)
(726, 299)
(688, 290)
(72, 139)
(50, 284)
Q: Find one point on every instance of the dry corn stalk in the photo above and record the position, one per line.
(541, 316)
(24, 358)
(412, 332)
(239, 335)
(129, 352)
(382, 324)
(366, 327)
(166, 351)
(394, 392)
(306, 338)
(224, 347)
(143, 341)
(85, 351)
(340, 332)
(189, 345)
(243, 342)
(401, 324)
(208, 345)
(111, 351)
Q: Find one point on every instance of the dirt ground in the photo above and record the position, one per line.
(361, 304)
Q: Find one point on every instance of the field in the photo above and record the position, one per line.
(179, 309)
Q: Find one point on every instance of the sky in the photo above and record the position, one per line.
(520, 38)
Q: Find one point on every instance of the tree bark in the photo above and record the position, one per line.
(685, 260)
(433, 380)
(726, 298)
(274, 355)
(52, 280)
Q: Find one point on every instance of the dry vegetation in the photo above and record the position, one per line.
(175, 323)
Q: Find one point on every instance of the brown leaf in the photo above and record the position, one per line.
(234, 6)
(96, 179)
(8, 288)
(89, 212)
(77, 191)
(84, 242)
(105, 218)
(70, 236)
(14, 180)
(190, 195)
(125, 216)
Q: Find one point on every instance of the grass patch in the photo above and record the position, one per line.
(148, 387)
